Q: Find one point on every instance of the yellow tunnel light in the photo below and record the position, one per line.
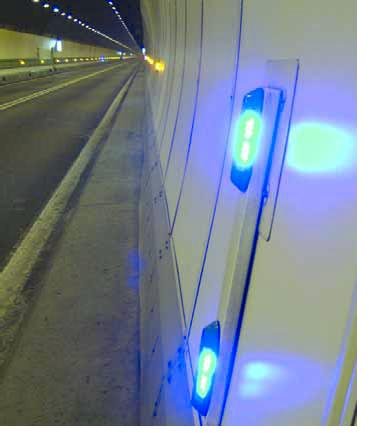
(160, 66)
(22, 62)
(150, 60)
(75, 60)
(42, 61)
(66, 60)
(57, 61)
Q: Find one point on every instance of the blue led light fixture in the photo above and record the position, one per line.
(247, 139)
(206, 368)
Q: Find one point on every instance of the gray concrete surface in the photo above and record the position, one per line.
(76, 361)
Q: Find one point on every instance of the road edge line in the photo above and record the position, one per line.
(19, 268)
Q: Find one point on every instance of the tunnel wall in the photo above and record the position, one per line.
(17, 45)
(287, 309)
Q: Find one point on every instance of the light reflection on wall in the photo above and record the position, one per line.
(320, 148)
(272, 382)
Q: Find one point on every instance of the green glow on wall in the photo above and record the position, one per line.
(315, 147)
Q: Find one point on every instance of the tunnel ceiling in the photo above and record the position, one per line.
(27, 16)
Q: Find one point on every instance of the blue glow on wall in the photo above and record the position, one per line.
(261, 371)
(316, 147)
(272, 382)
(259, 376)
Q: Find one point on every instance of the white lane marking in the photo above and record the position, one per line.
(35, 95)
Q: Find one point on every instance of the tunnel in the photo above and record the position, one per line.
(178, 213)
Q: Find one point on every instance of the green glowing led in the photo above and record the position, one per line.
(247, 139)
(206, 369)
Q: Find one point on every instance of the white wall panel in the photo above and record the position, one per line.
(302, 282)
(293, 325)
(157, 49)
(187, 108)
(162, 363)
(177, 83)
(208, 144)
(166, 53)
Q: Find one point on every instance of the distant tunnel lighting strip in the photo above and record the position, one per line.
(56, 10)
(115, 10)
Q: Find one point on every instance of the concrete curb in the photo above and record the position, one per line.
(31, 74)
(18, 270)
(53, 89)
(24, 76)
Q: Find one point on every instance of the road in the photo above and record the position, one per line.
(41, 136)
(73, 357)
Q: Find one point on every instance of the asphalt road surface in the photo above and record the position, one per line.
(75, 357)
(41, 137)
